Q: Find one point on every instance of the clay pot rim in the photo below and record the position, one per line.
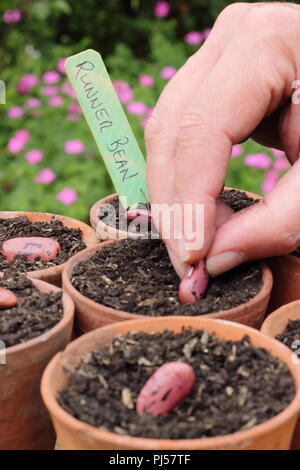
(81, 225)
(288, 311)
(68, 314)
(141, 443)
(267, 280)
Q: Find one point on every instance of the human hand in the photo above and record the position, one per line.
(238, 84)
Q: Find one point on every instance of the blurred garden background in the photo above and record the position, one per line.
(48, 160)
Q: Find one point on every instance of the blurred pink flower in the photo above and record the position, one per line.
(278, 153)
(73, 147)
(281, 164)
(193, 38)
(61, 65)
(34, 156)
(237, 150)
(15, 112)
(123, 90)
(68, 90)
(260, 161)
(146, 80)
(161, 9)
(12, 16)
(45, 176)
(32, 103)
(49, 90)
(167, 72)
(137, 108)
(206, 33)
(51, 77)
(15, 144)
(125, 96)
(22, 135)
(74, 107)
(27, 82)
(270, 179)
(67, 196)
(55, 101)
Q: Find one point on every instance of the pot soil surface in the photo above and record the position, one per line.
(35, 313)
(291, 335)
(237, 385)
(70, 241)
(136, 276)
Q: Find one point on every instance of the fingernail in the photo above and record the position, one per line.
(224, 262)
(179, 267)
(181, 251)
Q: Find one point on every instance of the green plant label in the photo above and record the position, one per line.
(109, 125)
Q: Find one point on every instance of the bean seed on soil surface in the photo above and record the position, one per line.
(32, 247)
(166, 388)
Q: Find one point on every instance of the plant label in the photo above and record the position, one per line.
(109, 126)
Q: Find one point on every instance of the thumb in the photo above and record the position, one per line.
(269, 228)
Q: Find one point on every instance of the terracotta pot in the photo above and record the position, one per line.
(286, 274)
(90, 315)
(74, 434)
(106, 232)
(25, 423)
(274, 325)
(53, 274)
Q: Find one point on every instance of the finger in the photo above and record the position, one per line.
(195, 280)
(160, 138)
(179, 267)
(161, 131)
(289, 129)
(220, 117)
(223, 213)
(269, 228)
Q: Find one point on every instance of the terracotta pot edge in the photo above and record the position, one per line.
(263, 294)
(146, 443)
(54, 270)
(68, 315)
(275, 314)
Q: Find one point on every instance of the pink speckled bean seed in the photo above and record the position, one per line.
(31, 247)
(167, 387)
(7, 298)
(144, 216)
(194, 283)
